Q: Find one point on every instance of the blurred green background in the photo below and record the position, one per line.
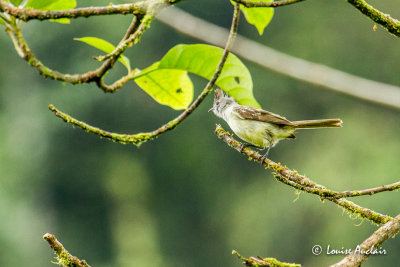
(186, 198)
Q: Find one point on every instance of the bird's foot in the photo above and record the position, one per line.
(263, 158)
(265, 155)
(244, 145)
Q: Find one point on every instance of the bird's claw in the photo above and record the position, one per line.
(265, 155)
(243, 146)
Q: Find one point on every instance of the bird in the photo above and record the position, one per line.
(260, 128)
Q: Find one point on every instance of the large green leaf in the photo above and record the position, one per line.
(169, 87)
(52, 5)
(105, 47)
(260, 17)
(15, 2)
(203, 59)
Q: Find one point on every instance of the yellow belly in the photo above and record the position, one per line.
(257, 133)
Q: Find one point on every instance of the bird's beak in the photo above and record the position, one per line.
(211, 109)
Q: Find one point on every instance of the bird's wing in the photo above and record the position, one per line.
(250, 113)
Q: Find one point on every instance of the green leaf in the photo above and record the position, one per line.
(15, 2)
(2, 22)
(169, 87)
(201, 59)
(260, 17)
(52, 5)
(105, 47)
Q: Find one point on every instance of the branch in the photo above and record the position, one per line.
(326, 193)
(266, 262)
(138, 139)
(301, 182)
(372, 191)
(317, 74)
(132, 8)
(391, 24)
(356, 258)
(127, 39)
(63, 256)
(247, 3)
(138, 26)
(132, 35)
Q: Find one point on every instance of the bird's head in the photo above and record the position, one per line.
(221, 102)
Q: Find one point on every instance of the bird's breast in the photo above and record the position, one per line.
(254, 132)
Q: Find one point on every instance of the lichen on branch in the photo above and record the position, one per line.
(386, 231)
(263, 262)
(247, 3)
(303, 183)
(391, 24)
(136, 8)
(64, 258)
(138, 139)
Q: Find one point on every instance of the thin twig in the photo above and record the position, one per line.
(247, 3)
(138, 26)
(131, 8)
(370, 246)
(266, 262)
(302, 182)
(135, 139)
(323, 76)
(391, 24)
(372, 191)
(63, 256)
(138, 139)
(129, 32)
(114, 87)
(5, 17)
(326, 193)
(133, 34)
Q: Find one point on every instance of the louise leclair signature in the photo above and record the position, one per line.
(318, 250)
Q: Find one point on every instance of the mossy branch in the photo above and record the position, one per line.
(139, 24)
(356, 258)
(135, 139)
(303, 183)
(326, 193)
(389, 229)
(138, 139)
(123, 9)
(64, 258)
(266, 262)
(247, 3)
(391, 24)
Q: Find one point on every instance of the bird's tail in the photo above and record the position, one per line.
(310, 124)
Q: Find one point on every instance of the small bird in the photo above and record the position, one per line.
(260, 128)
